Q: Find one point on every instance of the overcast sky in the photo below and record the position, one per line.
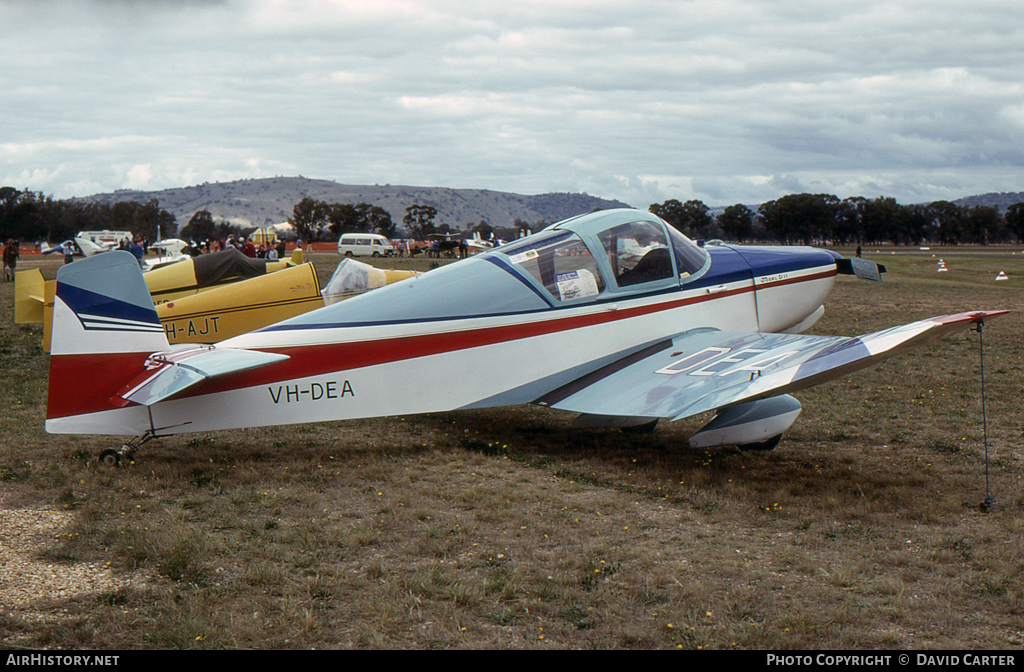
(725, 101)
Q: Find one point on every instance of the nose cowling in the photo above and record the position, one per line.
(790, 283)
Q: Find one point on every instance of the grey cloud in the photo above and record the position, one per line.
(734, 101)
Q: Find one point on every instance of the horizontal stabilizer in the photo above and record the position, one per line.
(169, 373)
(704, 369)
(862, 268)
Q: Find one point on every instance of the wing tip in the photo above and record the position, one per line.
(977, 316)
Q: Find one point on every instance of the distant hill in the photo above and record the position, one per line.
(1000, 200)
(258, 202)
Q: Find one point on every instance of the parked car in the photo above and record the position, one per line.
(364, 245)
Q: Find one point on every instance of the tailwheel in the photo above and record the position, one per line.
(110, 457)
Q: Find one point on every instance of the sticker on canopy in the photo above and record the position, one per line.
(576, 285)
(525, 256)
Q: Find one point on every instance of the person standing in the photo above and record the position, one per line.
(68, 250)
(136, 249)
(11, 254)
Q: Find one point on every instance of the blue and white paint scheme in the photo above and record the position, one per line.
(614, 315)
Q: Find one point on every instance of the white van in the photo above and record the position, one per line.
(364, 245)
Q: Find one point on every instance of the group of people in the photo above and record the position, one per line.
(269, 251)
(138, 247)
(12, 251)
(432, 249)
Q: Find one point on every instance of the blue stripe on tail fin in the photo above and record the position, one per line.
(103, 313)
(113, 311)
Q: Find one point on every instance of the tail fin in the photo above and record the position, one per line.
(102, 305)
(104, 328)
(286, 262)
(49, 290)
(88, 247)
(28, 297)
(109, 357)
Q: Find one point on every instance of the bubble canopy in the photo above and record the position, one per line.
(605, 255)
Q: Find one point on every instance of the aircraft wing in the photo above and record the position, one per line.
(703, 369)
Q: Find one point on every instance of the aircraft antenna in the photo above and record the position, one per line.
(987, 504)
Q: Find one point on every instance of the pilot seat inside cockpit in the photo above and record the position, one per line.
(654, 265)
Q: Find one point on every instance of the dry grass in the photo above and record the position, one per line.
(506, 528)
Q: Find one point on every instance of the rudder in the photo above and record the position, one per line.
(102, 305)
(104, 328)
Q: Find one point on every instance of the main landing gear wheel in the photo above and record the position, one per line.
(646, 428)
(761, 446)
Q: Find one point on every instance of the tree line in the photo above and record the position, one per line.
(317, 220)
(31, 216)
(312, 219)
(825, 219)
(795, 218)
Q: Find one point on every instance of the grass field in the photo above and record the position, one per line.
(506, 528)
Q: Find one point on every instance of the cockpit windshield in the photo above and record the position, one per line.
(560, 262)
(690, 257)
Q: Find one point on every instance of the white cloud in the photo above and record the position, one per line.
(727, 101)
(139, 176)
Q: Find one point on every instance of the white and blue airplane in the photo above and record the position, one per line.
(570, 318)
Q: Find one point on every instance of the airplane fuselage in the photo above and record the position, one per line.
(492, 330)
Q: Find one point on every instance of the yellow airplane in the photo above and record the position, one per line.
(33, 296)
(244, 306)
(229, 310)
(208, 271)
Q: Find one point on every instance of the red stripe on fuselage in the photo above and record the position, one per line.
(801, 278)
